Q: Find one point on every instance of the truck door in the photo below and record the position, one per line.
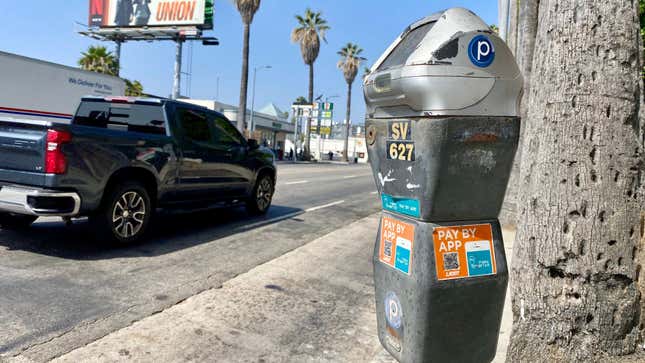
(201, 174)
(233, 154)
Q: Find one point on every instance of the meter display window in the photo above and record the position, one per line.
(406, 47)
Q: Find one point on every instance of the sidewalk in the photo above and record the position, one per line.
(314, 304)
(338, 162)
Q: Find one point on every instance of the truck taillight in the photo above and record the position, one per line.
(55, 162)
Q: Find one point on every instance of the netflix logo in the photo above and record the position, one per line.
(98, 12)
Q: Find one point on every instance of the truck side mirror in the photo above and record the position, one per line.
(253, 144)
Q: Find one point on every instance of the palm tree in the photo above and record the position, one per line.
(99, 59)
(301, 101)
(133, 88)
(349, 64)
(366, 72)
(576, 292)
(247, 9)
(311, 27)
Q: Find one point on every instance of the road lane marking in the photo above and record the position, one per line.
(286, 216)
(269, 221)
(355, 176)
(325, 206)
(297, 182)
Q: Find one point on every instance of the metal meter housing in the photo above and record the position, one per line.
(442, 129)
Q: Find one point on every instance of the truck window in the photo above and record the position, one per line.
(147, 119)
(225, 132)
(194, 125)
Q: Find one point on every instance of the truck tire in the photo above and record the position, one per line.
(16, 221)
(125, 214)
(262, 195)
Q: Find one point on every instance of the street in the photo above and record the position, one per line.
(62, 291)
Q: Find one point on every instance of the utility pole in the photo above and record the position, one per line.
(176, 86)
(255, 74)
(117, 55)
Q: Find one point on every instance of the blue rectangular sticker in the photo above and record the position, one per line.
(405, 206)
(402, 262)
(479, 257)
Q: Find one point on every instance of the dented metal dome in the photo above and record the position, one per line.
(449, 63)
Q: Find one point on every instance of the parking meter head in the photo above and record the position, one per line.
(449, 63)
(442, 119)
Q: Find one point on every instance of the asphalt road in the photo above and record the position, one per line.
(59, 290)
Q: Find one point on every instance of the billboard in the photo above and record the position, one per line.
(151, 13)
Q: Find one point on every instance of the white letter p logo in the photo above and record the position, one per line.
(483, 49)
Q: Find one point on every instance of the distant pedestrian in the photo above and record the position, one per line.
(291, 154)
(331, 155)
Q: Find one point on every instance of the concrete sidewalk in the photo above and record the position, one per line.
(314, 304)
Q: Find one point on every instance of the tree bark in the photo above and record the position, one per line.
(348, 128)
(244, 83)
(513, 11)
(311, 101)
(526, 34)
(575, 273)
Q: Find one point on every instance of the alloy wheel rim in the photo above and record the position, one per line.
(129, 214)
(264, 194)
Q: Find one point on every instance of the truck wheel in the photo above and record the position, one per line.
(125, 214)
(261, 197)
(16, 221)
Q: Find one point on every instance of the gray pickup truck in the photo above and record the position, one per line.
(122, 158)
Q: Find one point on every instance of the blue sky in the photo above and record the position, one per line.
(46, 30)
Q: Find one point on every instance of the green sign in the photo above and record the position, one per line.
(209, 14)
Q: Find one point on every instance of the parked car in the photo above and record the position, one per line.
(121, 158)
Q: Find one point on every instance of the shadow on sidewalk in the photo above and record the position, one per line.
(169, 232)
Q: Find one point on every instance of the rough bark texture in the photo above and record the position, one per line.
(348, 129)
(514, 12)
(244, 83)
(575, 270)
(526, 34)
(641, 247)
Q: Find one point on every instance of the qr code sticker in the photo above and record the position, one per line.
(451, 261)
(387, 249)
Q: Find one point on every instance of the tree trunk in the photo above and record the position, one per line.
(574, 274)
(244, 83)
(641, 247)
(311, 101)
(348, 129)
(526, 33)
(514, 11)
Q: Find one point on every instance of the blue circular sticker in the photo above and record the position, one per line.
(393, 311)
(481, 51)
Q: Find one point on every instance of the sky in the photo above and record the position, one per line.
(48, 30)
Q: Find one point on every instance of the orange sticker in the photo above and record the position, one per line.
(397, 242)
(464, 251)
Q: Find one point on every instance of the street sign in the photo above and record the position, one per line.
(323, 116)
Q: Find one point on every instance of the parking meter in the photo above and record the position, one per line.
(442, 131)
